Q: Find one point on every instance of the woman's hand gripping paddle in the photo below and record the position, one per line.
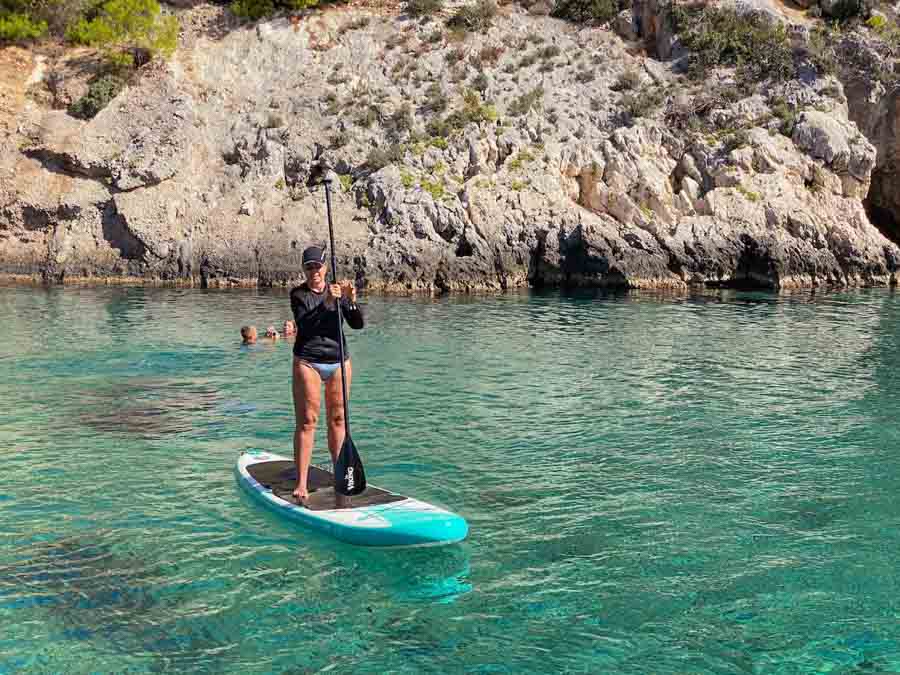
(349, 477)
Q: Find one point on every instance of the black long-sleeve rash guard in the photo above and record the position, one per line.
(317, 325)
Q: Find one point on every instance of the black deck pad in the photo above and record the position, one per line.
(280, 477)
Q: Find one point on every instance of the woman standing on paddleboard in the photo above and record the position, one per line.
(317, 360)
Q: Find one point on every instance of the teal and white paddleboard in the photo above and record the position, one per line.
(375, 517)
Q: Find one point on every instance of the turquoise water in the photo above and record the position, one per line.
(653, 484)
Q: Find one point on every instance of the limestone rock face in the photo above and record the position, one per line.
(68, 79)
(844, 150)
(142, 138)
(652, 20)
(207, 169)
(625, 25)
(876, 111)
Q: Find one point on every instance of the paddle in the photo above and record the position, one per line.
(349, 477)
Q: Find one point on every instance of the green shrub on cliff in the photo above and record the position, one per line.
(435, 98)
(723, 37)
(19, 27)
(252, 9)
(844, 10)
(101, 91)
(642, 103)
(433, 187)
(473, 109)
(526, 101)
(400, 122)
(58, 15)
(822, 48)
(877, 22)
(481, 82)
(476, 17)
(786, 113)
(258, 9)
(587, 11)
(130, 32)
(22, 20)
(739, 138)
(424, 8)
(628, 80)
(378, 158)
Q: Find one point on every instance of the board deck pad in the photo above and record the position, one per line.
(280, 477)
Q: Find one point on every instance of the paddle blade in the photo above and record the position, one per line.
(349, 477)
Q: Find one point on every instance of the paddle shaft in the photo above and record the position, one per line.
(338, 303)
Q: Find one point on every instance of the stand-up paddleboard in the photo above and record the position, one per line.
(374, 518)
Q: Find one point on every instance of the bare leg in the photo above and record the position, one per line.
(334, 409)
(337, 430)
(306, 385)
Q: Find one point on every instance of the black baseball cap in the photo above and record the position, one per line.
(314, 254)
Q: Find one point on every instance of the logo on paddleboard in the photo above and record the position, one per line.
(349, 478)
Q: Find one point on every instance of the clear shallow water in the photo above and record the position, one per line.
(653, 484)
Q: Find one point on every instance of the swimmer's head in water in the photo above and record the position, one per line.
(290, 328)
(248, 333)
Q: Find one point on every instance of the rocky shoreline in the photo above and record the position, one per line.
(572, 158)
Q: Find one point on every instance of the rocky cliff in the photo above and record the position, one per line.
(535, 152)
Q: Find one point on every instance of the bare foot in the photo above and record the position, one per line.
(301, 495)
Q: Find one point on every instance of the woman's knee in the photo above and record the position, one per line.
(307, 420)
(336, 417)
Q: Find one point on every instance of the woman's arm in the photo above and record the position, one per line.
(350, 309)
(304, 316)
(353, 313)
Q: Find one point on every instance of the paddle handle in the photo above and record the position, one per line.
(328, 180)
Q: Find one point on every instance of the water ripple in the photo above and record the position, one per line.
(653, 484)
